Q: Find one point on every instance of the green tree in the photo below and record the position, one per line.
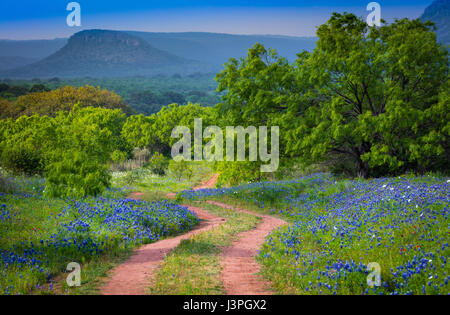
(76, 174)
(154, 132)
(371, 95)
(180, 169)
(137, 130)
(257, 88)
(257, 92)
(158, 164)
(72, 150)
(51, 102)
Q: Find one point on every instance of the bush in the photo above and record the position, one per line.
(158, 164)
(132, 176)
(180, 169)
(21, 160)
(76, 175)
(235, 173)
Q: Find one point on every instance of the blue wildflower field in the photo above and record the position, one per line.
(340, 227)
(39, 237)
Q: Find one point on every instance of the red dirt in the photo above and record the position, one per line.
(210, 183)
(171, 196)
(239, 267)
(133, 276)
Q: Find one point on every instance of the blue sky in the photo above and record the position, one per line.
(31, 19)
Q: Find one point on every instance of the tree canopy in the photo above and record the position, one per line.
(373, 96)
(62, 99)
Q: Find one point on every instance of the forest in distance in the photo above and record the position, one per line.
(144, 95)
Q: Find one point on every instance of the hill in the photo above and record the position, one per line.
(439, 13)
(33, 49)
(216, 48)
(12, 62)
(101, 53)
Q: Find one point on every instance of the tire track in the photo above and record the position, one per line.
(133, 276)
(239, 266)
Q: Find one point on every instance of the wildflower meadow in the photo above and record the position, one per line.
(341, 226)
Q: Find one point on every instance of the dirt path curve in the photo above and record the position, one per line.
(133, 276)
(210, 183)
(239, 267)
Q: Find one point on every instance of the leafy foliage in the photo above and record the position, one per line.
(180, 169)
(49, 103)
(37, 242)
(72, 150)
(366, 95)
(155, 131)
(438, 12)
(158, 164)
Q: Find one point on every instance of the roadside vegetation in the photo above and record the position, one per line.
(341, 226)
(40, 236)
(193, 268)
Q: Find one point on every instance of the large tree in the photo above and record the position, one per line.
(257, 88)
(371, 95)
(374, 98)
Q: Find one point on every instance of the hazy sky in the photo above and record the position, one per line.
(31, 19)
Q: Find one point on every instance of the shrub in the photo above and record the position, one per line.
(132, 176)
(180, 169)
(21, 160)
(76, 175)
(158, 164)
(235, 173)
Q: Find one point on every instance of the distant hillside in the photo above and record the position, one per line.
(104, 53)
(34, 49)
(11, 62)
(100, 53)
(218, 48)
(439, 13)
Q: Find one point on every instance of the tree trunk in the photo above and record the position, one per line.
(363, 169)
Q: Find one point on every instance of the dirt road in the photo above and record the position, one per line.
(239, 267)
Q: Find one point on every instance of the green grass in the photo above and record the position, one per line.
(93, 274)
(340, 226)
(193, 268)
(147, 182)
(33, 229)
(36, 219)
